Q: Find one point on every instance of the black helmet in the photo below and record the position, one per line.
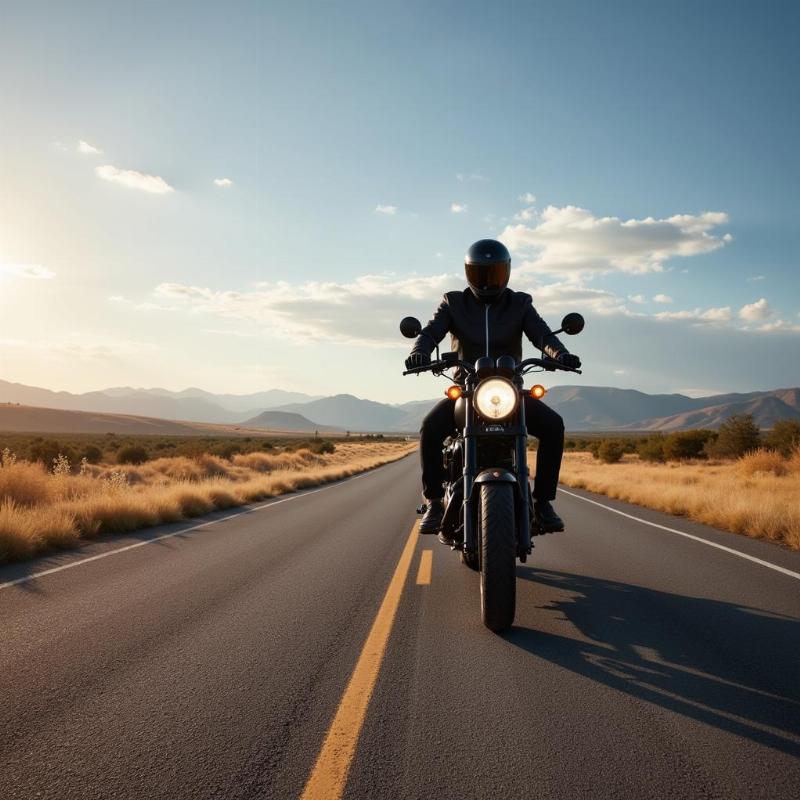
(488, 268)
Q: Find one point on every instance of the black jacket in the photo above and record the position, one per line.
(496, 330)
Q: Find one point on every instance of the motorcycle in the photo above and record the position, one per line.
(489, 514)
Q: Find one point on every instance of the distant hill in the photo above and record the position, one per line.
(195, 405)
(29, 419)
(286, 421)
(584, 408)
(351, 413)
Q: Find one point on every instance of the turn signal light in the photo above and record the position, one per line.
(538, 391)
(453, 392)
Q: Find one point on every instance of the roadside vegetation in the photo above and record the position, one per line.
(54, 501)
(738, 478)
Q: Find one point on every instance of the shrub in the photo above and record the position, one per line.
(24, 484)
(48, 450)
(611, 451)
(227, 450)
(92, 453)
(794, 460)
(132, 454)
(738, 435)
(321, 446)
(686, 444)
(764, 462)
(651, 448)
(784, 436)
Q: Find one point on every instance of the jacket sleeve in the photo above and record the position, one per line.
(434, 331)
(537, 330)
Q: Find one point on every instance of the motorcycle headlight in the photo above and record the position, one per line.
(496, 398)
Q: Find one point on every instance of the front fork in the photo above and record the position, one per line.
(470, 470)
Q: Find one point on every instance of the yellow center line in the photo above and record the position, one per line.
(425, 566)
(329, 776)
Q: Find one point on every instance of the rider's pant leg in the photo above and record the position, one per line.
(548, 427)
(436, 427)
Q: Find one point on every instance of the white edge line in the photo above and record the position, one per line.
(700, 539)
(248, 510)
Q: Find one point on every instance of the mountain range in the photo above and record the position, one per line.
(584, 408)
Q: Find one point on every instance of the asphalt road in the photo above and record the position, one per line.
(210, 664)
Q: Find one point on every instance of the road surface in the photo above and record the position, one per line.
(213, 662)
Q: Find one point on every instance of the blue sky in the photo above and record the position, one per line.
(640, 159)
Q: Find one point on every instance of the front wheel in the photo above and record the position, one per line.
(498, 556)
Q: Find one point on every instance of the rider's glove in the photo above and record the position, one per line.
(417, 360)
(569, 360)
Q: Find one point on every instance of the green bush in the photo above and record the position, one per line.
(682, 445)
(651, 448)
(92, 453)
(132, 454)
(227, 450)
(738, 435)
(321, 446)
(784, 437)
(48, 450)
(611, 451)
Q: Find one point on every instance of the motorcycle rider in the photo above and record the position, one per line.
(488, 318)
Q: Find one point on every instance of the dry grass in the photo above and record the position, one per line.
(40, 510)
(755, 496)
(763, 462)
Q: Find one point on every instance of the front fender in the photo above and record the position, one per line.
(496, 476)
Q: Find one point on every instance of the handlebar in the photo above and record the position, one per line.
(550, 364)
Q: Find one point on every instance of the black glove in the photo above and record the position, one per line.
(417, 360)
(569, 360)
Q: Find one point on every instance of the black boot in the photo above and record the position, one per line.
(432, 518)
(546, 519)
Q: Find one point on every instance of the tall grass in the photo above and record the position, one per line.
(41, 510)
(757, 495)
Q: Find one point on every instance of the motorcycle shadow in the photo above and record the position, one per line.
(722, 664)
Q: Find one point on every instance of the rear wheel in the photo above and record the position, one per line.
(498, 556)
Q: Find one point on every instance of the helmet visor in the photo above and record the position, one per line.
(488, 277)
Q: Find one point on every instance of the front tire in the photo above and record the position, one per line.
(498, 556)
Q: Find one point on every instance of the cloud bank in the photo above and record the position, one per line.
(571, 241)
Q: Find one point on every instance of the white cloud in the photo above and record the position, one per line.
(223, 183)
(754, 312)
(133, 179)
(756, 278)
(665, 299)
(365, 311)
(458, 208)
(525, 215)
(620, 372)
(388, 210)
(527, 197)
(698, 315)
(637, 298)
(464, 177)
(32, 271)
(88, 149)
(572, 241)
(72, 346)
(779, 326)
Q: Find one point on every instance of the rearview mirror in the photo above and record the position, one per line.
(572, 324)
(411, 327)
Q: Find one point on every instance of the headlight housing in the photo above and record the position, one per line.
(496, 399)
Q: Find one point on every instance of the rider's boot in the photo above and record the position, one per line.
(432, 518)
(546, 518)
